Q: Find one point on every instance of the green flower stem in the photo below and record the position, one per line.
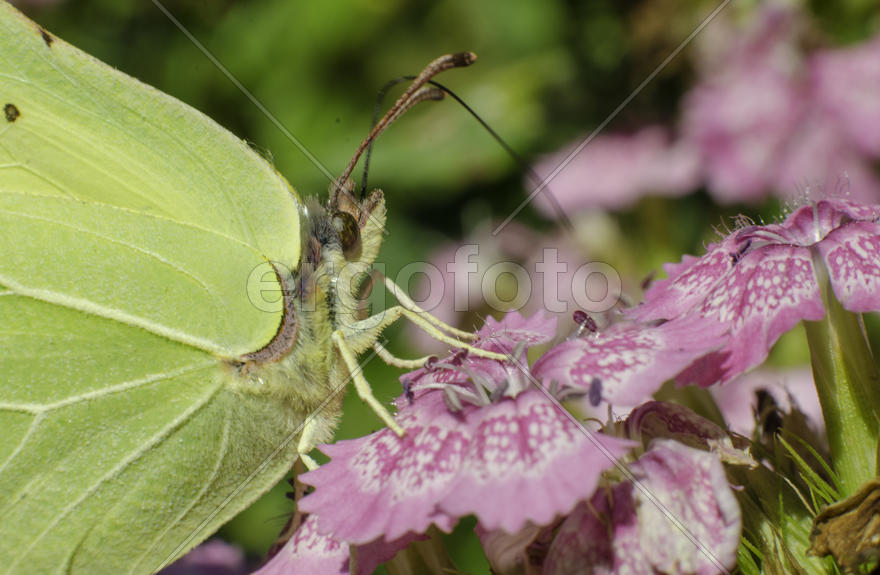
(849, 388)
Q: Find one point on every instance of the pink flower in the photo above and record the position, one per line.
(214, 557)
(764, 116)
(481, 440)
(741, 114)
(480, 461)
(692, 486)
(680, 517)
(308, 552)
(847, 84)
(767, 118)
(761, 280)
(615, 170)
(839, 134)
(820, 156)
(627, 362)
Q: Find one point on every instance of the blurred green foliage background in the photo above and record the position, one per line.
(548, 72)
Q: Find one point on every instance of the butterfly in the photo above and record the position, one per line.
(176, 323)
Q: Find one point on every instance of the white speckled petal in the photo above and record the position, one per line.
(765, 295)
(622, 532)
(309, 553)
(852, 257)
(515, 461)
(384, 485)
(692, 486)
(631, 361)
(759, 282)
(527, 462)
(687, 283)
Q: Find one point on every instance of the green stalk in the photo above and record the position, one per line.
(848, 384)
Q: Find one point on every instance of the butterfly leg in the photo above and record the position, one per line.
(362, 334)
(308, 440)
(395, 361)
(412, 306)
(361, 385)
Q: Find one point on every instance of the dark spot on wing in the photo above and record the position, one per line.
(12, 112)
(47, 38)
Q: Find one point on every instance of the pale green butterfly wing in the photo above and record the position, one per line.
(129, 225)
(119, 477)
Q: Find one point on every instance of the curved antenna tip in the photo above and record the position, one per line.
(462, 59)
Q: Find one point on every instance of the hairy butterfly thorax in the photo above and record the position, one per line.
(320, 300)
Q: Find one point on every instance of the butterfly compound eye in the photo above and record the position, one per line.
(349, 234)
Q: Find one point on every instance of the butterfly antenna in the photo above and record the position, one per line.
(422, 94)
(403, 103)
(438, 92)
(518, 160)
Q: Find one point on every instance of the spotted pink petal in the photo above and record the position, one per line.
(527, 461)
(692, 487)
(514, 329)
(626, 363)
(390, 485)
(852, 257)
(687, 282)
(766, 294)
(481, 461)
(768, 283)
(682, 497)
(308, 552)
